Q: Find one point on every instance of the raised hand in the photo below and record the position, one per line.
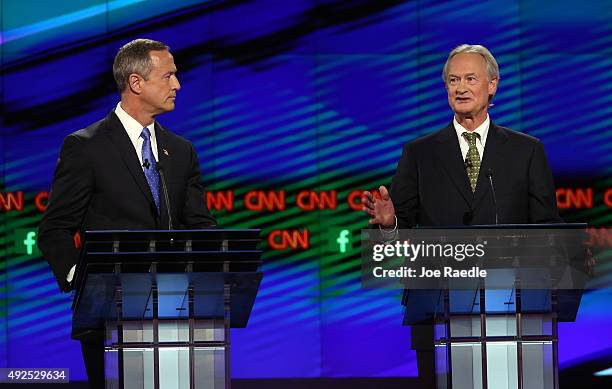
(380, 210)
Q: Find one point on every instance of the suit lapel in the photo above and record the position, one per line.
(496, 138)
(163, 154)
(163, 160)
(122, 142)
(449, 154)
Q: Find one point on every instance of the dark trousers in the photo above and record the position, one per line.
(423, 342)
(92, 346)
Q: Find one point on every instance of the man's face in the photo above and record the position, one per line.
(468, 85)
(159, 89)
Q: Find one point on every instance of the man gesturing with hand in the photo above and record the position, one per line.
(472, 172)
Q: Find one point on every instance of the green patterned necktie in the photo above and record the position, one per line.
(472, 159)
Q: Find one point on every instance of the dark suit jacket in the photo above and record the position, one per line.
(431, 187)
(99, 184)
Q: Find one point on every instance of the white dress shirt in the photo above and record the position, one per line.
(482, 130)
(134, 129)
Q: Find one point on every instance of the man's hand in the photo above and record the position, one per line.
(380, 210)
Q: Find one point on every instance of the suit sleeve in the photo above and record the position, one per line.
(70, 196)
(195, 214)
(404, 190)
(542, 197)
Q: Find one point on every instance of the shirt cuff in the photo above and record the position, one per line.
(389, 234)
(71, 274)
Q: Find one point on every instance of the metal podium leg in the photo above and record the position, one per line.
(226, 323)
(119, 305)
(191, 337)
(555, 339)
(519, 337)
(227, 292)
(449, 354)
(154, 292)
(483, 338)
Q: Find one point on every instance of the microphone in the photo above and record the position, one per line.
(146, 164)
(490, 177)
(162, 178)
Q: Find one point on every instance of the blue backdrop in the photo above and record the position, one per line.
(290, 96)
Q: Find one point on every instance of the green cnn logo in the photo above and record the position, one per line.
(25, 242)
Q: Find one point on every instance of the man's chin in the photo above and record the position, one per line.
(463, 109)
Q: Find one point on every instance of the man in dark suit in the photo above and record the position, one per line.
(448, 178)
(108, 175)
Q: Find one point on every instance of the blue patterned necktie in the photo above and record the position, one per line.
(148, 162)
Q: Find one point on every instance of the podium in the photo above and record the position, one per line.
(166, 301)
(502, 332)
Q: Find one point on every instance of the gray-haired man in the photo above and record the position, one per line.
(446, 178)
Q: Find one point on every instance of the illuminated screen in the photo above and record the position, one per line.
(294, 108)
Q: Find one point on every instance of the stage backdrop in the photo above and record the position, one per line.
(295, 107)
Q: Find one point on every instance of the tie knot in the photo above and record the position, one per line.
(145, 133)
(471, 137)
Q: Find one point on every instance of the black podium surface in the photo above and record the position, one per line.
(166, 300)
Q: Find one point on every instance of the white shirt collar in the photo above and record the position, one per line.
(131, 125)
(482, 130)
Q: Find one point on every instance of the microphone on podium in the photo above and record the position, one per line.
(490, 177)
(162, 178)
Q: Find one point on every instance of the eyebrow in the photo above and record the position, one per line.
(466, 74)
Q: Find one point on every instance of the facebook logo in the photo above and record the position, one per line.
(343, 240)
(339, 240)
(25, 242)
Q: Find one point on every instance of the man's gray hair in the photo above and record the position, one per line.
(134, 57)
(492, 67)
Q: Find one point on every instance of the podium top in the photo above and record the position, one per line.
(132, 262)
(197, 235)
(548, 226)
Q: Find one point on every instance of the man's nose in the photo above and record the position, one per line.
(462, 86)
(177, 84)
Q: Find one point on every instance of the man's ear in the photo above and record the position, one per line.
(135, 83)
(493, 86)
